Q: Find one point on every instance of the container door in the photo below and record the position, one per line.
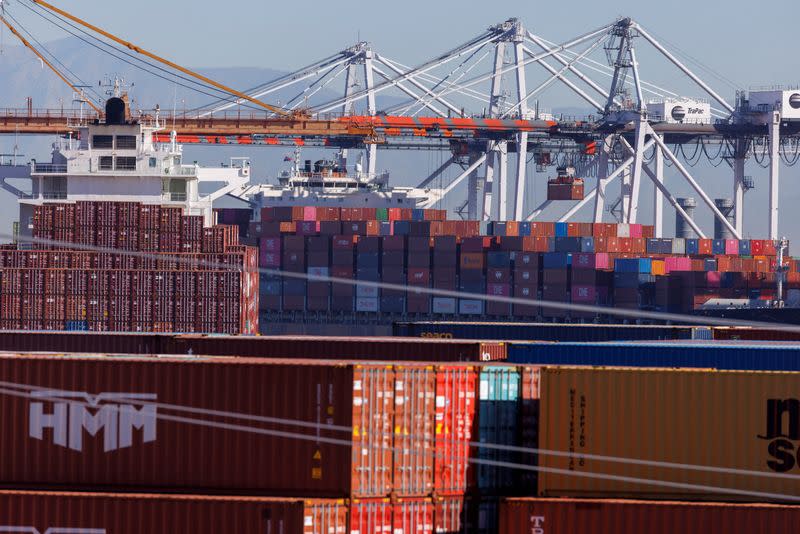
(370, 516)
(455, 417)
(373, 407)
(413, 516)
(415, 401)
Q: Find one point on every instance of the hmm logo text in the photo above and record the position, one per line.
(783, 430)
(71, 413)
(52, 530)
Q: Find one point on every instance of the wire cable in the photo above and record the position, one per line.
(49, 17)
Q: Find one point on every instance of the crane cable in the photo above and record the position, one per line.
(46, 62)
(167, 62)
(134, 61)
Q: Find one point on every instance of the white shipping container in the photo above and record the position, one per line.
(470, 307)
(678, 245)
(444, 305)
(366, 304)
(623, 230)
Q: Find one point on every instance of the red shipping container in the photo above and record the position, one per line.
(54, 307)
(591, 516)
(100, 513)
(10, 306)
(412, 516)
(418, 303)
(414, 398)
(162, 452)
(33, 281)
(455, 414)
(419, 276)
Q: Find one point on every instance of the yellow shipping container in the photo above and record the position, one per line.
(743, 425)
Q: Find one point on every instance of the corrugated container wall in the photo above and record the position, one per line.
(108, 513)
(544, 331)
(277, 428)
(714, 421)
(568, 516)
(764, 357)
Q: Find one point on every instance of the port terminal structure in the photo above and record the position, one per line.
(460, 102)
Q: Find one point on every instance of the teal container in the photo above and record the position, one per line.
(498, 423)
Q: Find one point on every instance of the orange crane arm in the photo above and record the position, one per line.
(167, 62)
(44, 60)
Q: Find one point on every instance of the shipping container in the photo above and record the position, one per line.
(718, 355)
(699, 434)
(498, 427)
(594, 516)
(120, 513)
(545, 331)
(272, 427)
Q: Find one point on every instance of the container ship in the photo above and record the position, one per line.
(620, 266)
(115, 234)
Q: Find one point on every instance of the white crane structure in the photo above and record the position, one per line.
(480, 102)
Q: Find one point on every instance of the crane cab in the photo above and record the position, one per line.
(565, 186)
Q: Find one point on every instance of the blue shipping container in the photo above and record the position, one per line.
(716, 355)
(402, 227)
(556, 260)
(633, 265)
(692, 246)
(587, 244)
(561, 229)
(568, 244)
(525, 229)
(718, 246)
(498, 259)
(498, 424)
(744, 247)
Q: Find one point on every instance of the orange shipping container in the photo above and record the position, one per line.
(712, 421)
(568, 516)
(120, 513)
(471, 260)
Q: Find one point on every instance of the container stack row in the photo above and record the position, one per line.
(503, 267)
(170, 273)
(323, 446)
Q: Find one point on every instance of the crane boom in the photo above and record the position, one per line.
(44, 60)
(167, 62)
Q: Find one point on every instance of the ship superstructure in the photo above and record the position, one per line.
(329, 182)
(116, 160)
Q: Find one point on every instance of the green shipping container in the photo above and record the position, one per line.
(382, 214)
(498, 423)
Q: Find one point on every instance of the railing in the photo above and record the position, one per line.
(174, 197)
(55, 195)
(50, 168)
(187, 170)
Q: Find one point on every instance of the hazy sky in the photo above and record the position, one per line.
(750, 41)
(735, 44)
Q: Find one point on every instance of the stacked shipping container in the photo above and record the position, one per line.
(428, 445)
(191, 279)
(618, 265)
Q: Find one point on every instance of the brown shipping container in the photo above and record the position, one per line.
(101, 513)
(366, 348)
(210, 425)
(568, 516)
(712, 421)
